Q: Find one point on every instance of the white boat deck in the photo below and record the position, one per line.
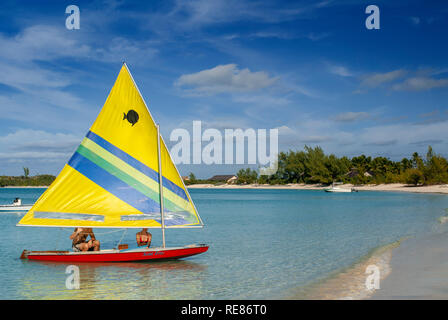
(10, 207)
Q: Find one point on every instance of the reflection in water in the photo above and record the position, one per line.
(127, 280)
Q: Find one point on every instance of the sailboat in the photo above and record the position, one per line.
(120, 176)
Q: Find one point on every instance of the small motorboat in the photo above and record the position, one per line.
(15, 206)
(339, 189)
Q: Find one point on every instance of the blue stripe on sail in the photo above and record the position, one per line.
(174, 188)
(136, 164)
(122, 190)
(112, 184)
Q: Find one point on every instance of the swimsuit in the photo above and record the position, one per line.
(76, 248)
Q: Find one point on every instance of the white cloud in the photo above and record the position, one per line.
(45, 43)
(42, 151)
(340, 71)
(376, 79)
(21, 76)
(317, 36)
(382, 142)
(262, 100)
(403, 134)
(195, 14)
(47, 89)
(420, 80)
(283, 35)
(315, 139)
(285, 130)
(420, 84)
(224, 79)
(351, 116)
(41, 42)
(396, 140)
(38, 140)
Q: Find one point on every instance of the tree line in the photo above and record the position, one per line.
(312, 165)
(22, 181)
(26, 181)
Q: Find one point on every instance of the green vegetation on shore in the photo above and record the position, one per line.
(312, 166)
(26, 180)
(22, 181)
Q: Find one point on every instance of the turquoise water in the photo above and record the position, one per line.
(263, 243)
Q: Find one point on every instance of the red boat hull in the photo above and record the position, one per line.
(116, 255)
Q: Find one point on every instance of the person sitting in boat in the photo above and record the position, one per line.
(143, 237)
(79, 242)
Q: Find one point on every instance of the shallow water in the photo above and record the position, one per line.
(263, 243)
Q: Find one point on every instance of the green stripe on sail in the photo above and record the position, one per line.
(126, 178)
(168, 195)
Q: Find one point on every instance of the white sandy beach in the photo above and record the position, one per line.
(380, 187)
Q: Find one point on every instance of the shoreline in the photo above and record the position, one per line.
(412, 268)
(24, 187)
(398, 187)
(349, 283)
(394, 187)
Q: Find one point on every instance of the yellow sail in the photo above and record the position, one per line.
(112, 180)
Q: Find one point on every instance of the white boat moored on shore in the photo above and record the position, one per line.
(334, 188)
(15, 206)
(337, 189)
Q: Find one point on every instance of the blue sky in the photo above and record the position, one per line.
(309, 68)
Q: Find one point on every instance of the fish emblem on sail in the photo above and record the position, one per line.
(131, 116)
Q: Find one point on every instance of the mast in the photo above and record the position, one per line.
(160, 184)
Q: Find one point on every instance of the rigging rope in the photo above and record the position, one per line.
(122, 236)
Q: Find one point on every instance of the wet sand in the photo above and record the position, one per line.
(300, 186)
(419, 270)
(412, 269)
(349, 283)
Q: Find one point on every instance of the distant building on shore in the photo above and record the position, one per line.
(229, 179)
(355, 172)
